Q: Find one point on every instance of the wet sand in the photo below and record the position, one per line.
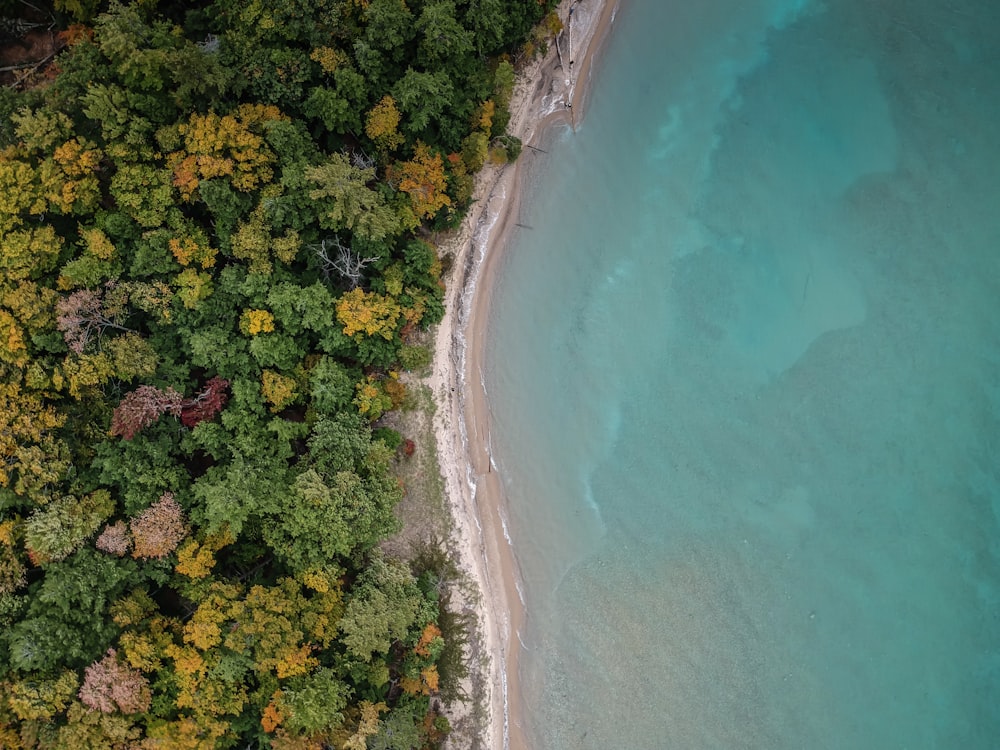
(552, 90)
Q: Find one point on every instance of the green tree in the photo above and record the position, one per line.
(339, 104)
(313, 703)
(488, 20)
(348, 201)
(66, 622)
(54, 532)
(385, 605)
(330, 386)
(442, 37)
(319, 520)
(423, 98)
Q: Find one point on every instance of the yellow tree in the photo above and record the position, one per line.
(252, 241)
(20, 190)
(29, 253)
(273, 631)
(382, 124)
(253, 322)
(368, 313)
(188, 250)
(224, 146)
(278, 390)
(185, 733)
(31, 456)
(423, 179)
(196, 559)
(37, 698)
(193, 287)
(69, 177)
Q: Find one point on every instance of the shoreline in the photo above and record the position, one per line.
(462, 421)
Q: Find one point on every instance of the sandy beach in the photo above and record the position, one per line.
(552, 90)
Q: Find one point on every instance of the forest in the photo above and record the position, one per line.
(215, 225)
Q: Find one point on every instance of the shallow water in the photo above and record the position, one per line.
(745, 377)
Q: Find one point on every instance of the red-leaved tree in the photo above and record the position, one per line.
(143, 406)
(206, 404)
(109, 686)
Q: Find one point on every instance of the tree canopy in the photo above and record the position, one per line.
(214, 223)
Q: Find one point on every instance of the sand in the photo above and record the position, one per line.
(462, 421)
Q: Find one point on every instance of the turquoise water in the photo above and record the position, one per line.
(745, 382)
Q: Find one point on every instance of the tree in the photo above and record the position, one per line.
(83, 318)
(253, 322)
(383, 45)
(142, 407)
(368, 314)
(30, 253)
(13, 574)
(31, 454)
(144, 192)
(339, 107)
(319, 520)
(206, 404)
(196, 559)
(423, 98)
(249, 486)
(278, 390)
(13, 344)
(93, 730)
(349, 202)
(334, 256)
(30, 312)
(385, 604)
(115, 539)
(313, 703)
(443, 40)
(54, 532)
(224, 146)
(397, 731)
(110, 686)
(488, 20)
(158, 530)
(330, 386)
(475, 149)
(69, 177)
(382, 124)
(372, 397)
(131, 356)
(368, 722)
(253, 240)
(186, 732)
(423, 179)
(66, 622)
(153, 57)
(38, 698)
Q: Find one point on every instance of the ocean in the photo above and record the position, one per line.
(744, 376)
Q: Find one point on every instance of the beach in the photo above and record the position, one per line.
(741, 362)
(550, 91)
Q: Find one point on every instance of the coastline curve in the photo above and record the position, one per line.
(546, 94)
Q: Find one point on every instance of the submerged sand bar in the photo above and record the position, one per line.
(552, 90)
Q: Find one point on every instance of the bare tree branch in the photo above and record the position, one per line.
(333, 256)
(361, 160)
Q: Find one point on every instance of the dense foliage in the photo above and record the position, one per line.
(212, 223)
